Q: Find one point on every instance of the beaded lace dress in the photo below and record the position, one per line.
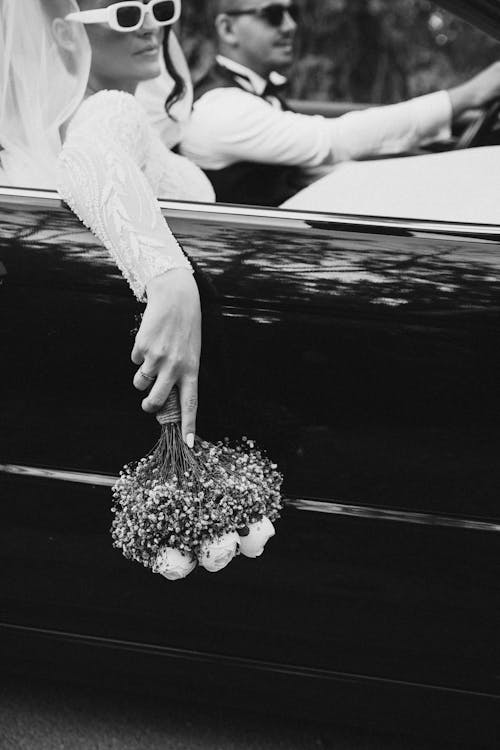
(111, 170)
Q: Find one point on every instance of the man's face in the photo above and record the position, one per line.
(260, 45)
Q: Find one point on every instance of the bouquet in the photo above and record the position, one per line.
(179, 507)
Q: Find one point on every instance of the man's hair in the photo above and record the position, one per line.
(221, 6)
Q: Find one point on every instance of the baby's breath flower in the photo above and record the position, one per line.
(226, 488)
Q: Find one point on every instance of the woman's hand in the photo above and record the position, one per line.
(168, 344)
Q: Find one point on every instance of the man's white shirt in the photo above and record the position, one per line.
(232, 124)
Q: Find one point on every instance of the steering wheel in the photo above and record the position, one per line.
(474, 134)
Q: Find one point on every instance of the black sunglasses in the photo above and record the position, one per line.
(273, 14)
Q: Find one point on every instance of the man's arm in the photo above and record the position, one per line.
(390, 129)
(477, 92)
(230, 125)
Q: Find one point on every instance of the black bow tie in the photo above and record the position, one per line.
(274, 89)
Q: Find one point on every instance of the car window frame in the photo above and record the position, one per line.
(283, 217)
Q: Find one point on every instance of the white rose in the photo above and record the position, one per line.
(173, 564)
(259, 532)
(218, 553)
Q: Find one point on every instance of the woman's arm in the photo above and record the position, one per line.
(100, 177)
(168, 345)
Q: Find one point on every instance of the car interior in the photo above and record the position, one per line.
(474, 129)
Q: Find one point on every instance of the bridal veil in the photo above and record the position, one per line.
(42, 81)
(44, 69)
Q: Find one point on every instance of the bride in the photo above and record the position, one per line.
(69, 118)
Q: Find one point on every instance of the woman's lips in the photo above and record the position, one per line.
(149, 51)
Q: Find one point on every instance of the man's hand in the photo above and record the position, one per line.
(168, 344)
(478, 92)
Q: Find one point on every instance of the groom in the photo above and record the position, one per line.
(255, 150)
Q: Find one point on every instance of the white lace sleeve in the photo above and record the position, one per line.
(100, 176)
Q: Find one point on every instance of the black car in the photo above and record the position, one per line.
(363, 354)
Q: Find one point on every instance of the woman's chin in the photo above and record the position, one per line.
(148, 69)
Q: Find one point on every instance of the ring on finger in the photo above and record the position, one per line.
(146, 376)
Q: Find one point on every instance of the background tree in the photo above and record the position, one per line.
(375, 51)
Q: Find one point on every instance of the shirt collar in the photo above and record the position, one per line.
(248, 78)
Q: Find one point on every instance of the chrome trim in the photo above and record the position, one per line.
(366, 512)
(285, 216)
(297, 670)
(387, 514)
(80, 477)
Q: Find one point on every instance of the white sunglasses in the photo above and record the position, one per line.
(129, 15)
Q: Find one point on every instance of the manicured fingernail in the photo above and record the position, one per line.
(190, 440)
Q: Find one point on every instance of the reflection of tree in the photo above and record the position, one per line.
(272, 268)
(281, 269)
(366, 50)
(52, 247)
(365, 364)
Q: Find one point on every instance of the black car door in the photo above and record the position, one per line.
(361, 354)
